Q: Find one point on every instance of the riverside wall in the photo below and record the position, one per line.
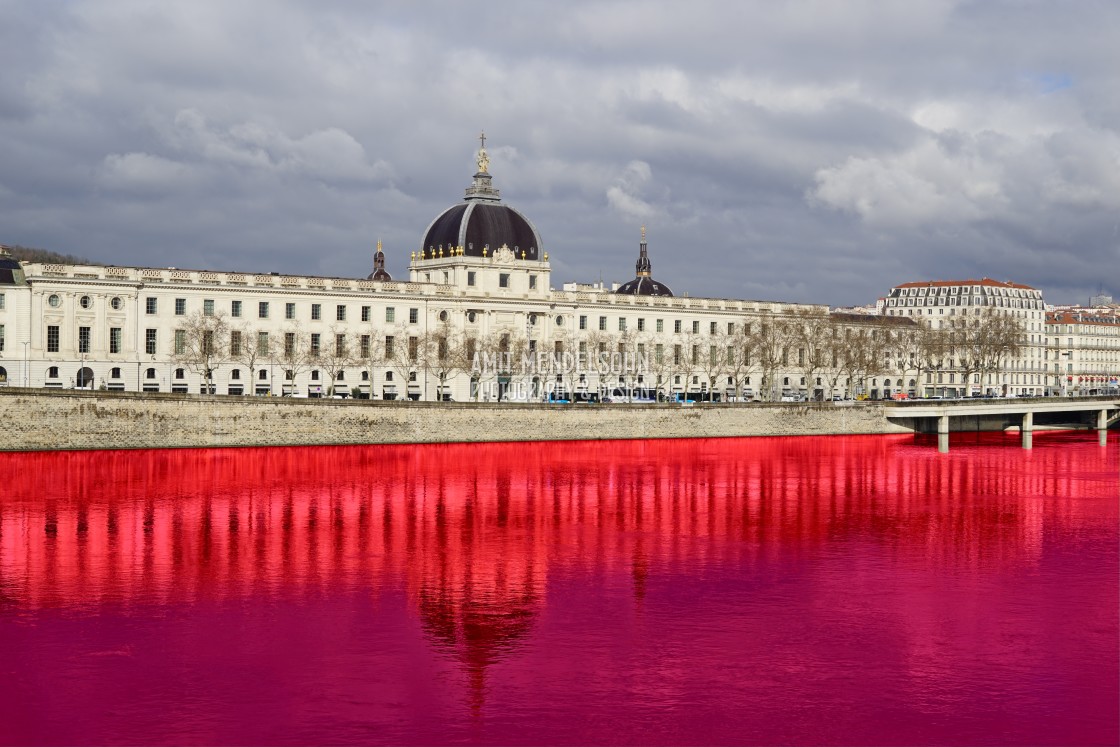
(37, 420)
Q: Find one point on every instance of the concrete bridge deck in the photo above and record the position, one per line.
(1025, 413)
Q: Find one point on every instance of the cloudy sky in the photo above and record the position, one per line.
(802, 151)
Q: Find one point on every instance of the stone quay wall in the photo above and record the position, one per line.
(37, 420)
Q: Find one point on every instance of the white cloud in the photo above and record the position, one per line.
(330, 154)
(625, 194)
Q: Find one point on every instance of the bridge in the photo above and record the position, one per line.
(1027, 414)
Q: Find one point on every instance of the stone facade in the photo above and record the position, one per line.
(38, 420)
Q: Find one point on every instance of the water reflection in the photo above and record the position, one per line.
(476, 536)
(474, 530)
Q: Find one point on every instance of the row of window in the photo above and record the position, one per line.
(151, 307)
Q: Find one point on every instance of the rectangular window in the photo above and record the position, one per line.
(731, 328)
(602, 324)
(622, 324)
(180, 306)
(262, 309)
(83, 339)
(390, 314)
(316, 312)
(235, 343)
(660, 325)
(150, 306)
(314, 344)
(1, 338)
(413, 348)
(289, 344)
(1, 301)
(389, 352)
(114, 339)
(696, 328)
(208, 307)
(180, 341)
(641, 325)
(659, 353)
(340, 345)
(364, 346)
(149, 342)
(503, 280)
(289, 310)
(413, 316)
(532, 282)
(340, 314)
(677, 325)
(470, 277)
(583, 322)
(262, 343)
(52, 338)
(365, 313)
(712, 328)
(235, 309)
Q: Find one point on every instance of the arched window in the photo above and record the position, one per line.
(180, 373)
(52, 372)
(365, 375)
(235, 374)
(3, 375)
(150, 373)
(115, 373)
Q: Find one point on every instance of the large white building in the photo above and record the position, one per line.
(478, 318)
(938, 303)
(1084, 349)
(480, 273)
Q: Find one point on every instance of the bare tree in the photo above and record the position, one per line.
(251, 348)
(771, 340)
(713, 361)
(1002, 337)
(336, 354)
(441, 352)
(740, 354)
(809, 332)
(202, 345)
(294, 355)
(921, 347)
(370, 354)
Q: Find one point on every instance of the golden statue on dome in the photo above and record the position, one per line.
(483, 160)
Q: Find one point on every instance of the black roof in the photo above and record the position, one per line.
(475, 225)
(644, 286)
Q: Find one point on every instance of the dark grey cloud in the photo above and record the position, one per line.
(812, 151)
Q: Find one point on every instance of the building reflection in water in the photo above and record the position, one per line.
(473, 533)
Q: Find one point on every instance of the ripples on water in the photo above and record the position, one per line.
(756, 591)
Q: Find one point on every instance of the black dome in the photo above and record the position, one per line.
(481, 222)
(475, 225)
(11, 271)
(644, 286)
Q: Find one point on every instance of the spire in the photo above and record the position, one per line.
(643, 265)
(483, 160)
(481, 188)
(379, 265)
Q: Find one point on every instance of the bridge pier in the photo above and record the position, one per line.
(1102, 420)
(1026, 429)
(943, 434)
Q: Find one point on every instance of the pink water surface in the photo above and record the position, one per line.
(855, 590)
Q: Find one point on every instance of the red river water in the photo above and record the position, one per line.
(826, 590)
